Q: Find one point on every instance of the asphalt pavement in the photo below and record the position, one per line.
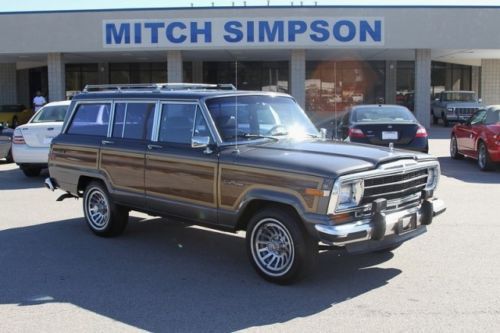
(160, 275)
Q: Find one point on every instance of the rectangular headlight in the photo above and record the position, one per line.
(346, 195)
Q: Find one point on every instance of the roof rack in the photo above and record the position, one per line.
(157, 87)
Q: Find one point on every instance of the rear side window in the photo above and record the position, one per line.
(51, 114)
(90, 119)
(133, 120)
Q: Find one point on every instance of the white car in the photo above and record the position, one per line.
(31, 141)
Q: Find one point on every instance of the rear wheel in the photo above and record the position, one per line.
(454, 149)
(31, 171)
(483, 158)
(279, 247)
(103, 216)
(434, 118)
(9, 157)
(445, 120)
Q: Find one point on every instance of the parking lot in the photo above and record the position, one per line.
(166, 276)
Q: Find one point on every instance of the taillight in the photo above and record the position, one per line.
(356, 133)
(18, 137)
(421, 133)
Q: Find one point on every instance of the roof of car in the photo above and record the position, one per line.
(371, 106)
(58, 103)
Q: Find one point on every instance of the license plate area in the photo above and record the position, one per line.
(406, 224)
(389, 135)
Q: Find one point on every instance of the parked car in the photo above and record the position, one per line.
(6, 143)
(14, 115)
(382, 125)
(184, 152)
(31, 142)
(478, 138)
(454, 106)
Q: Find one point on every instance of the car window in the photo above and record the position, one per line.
(478, 118)
(180, 122)
(90, 119)
(492, 117)
(133, 120)
(51, 114)
(382, 114)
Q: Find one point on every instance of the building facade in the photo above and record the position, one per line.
(328, 58)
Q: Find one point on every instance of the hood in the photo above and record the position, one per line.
(322, 158)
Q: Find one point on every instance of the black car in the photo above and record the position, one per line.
(382, 125)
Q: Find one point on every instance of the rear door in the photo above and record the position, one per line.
(181, 180)
(122, 152)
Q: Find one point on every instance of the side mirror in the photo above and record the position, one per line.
(200, 141)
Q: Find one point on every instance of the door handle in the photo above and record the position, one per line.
(151, 147)
(106, 142)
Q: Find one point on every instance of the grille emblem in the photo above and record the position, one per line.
(391, 147)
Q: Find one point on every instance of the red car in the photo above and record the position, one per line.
(478, 138)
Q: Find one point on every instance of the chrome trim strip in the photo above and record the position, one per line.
(395, 183)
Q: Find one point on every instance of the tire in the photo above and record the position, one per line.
(103, 216)
(454, 149)
(9, 157)
(483, 158)
(445, 120)
(435, 119)
(388, 249)
(31, 171)
(278, 246)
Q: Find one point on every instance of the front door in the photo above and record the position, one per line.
(180, 180)
(123, 152)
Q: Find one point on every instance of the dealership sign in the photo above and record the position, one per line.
(248, 32)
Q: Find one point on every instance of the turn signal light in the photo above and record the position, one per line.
(421, 133)
(356, 133)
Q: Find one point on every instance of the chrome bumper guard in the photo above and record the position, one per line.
(381, 230)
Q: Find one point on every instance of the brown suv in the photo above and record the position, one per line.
(238, 160)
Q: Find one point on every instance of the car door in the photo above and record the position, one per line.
(472, 131)
(122, 153)
(181, 180)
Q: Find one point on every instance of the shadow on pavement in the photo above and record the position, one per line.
(14, 179)
(468, 171)
(169, 276)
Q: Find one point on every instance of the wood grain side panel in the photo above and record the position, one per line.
(124, 170)
(74, 156)
(235, 182)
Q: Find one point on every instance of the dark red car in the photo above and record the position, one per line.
(478, 138)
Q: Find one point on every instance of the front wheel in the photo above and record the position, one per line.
(103, 216)
(279, 247)
(483, 158)
(454, 149)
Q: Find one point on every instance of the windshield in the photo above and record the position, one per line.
(459, 97)
(51, 114)
(382, 114)
(260, 115)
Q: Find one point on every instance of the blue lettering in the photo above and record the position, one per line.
(206, 32)
(375, 32)
(265, 31)
(154, 27)
(137, 33)
(116, 37)
(351, 31)
(234, 34)
(169, 32)
(250, 31)
(321, 33)
(294, 28)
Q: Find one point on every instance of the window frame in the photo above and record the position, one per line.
(136, 101)
(71, 114)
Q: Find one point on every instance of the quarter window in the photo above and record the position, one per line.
(90, 119)
(180, 122)
(133, 120)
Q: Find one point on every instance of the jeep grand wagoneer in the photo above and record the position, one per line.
(238, 160)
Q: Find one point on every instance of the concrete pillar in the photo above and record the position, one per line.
(103, 70)
(423, 86)
(56, 76)
(197, 71)
(174, 67)
(8, 84)
(23, 87)
(391, 68)
(475, 79)
(490, 81)
(298, 76)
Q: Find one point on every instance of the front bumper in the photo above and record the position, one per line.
(381, 230)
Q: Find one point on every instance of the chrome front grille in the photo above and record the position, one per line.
(394, 186)
(465, 111)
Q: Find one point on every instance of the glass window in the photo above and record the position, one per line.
(177, 123)
(133, 120)
(51, 114)
(382, 114)
(478, 117)
(492, 117)
(90, 119)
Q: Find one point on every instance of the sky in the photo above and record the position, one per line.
(50, 5)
